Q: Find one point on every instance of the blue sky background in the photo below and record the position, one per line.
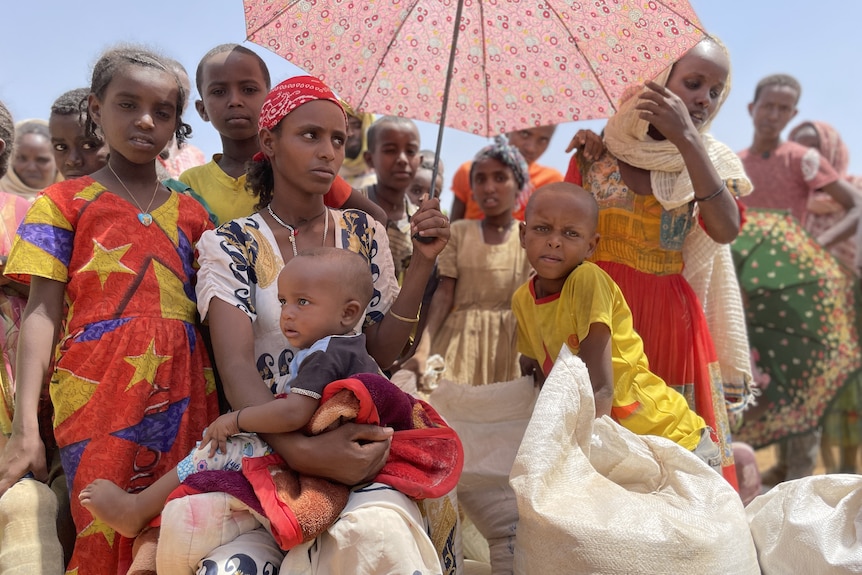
(50, 46)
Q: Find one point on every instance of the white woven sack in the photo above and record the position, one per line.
(809, 525)
(595, 498)
(490, 420)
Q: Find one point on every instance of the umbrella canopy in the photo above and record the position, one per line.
(514, 63)
(801, 315)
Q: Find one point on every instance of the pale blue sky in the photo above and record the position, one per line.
(49, 47)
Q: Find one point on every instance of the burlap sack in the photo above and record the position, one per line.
(595, 498)
(490, 420)
(809, 525)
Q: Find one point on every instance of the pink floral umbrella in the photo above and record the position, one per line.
(515, 63)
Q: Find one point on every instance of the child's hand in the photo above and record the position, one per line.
(218, 432)
(666, 112)
(531, 368)
(430, 228)
(416, 362)
(589, 143)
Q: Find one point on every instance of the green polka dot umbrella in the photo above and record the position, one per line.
(801, 316)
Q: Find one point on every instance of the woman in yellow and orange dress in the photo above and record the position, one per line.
(661, 182)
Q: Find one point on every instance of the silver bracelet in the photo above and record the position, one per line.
(713, 195)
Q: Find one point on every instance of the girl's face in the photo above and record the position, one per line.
(34, 162)
(494, 187)
(307, 147)
(138, 113)
(699, 78)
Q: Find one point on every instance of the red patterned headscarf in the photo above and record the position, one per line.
(290, 95)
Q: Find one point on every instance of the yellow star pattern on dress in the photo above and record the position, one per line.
(107, 261)
(76, 393)
(99, 527)
(146, 365)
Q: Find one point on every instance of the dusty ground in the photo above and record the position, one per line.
(766, 457)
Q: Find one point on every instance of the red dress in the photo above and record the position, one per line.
(132, 387)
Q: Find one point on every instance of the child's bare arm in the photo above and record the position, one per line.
(281, 415)
(438, 311)
(851, 200)
(596, 353)
(40, 325)
(668, 114)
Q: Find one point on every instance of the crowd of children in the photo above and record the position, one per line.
(159, 311)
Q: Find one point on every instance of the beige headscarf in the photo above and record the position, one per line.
(355, 170)
(13, 184)
(708, 265)
(627, 139)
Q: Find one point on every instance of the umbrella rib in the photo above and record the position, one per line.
(272, 18)
(485, 69)
(587, 60)
(380, 61)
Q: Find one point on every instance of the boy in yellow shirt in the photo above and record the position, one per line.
(574, 302)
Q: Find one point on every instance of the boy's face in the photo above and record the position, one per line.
(422, 185)
(75, 154)
(354, 137)
(395, 158)
(532, 142)
(312, 298)
(558, 235)
(233, 89)
(773, 110)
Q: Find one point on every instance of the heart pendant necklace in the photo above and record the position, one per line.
(144, 216)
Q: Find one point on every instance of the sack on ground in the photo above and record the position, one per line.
(490, 420)
(809, 525)
(595, 498)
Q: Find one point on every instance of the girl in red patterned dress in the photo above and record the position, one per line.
(109, 259)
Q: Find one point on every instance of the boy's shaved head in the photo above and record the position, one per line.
(353, 271)
(371, 136)
(221, 49)
(585, 199)
(778, 80)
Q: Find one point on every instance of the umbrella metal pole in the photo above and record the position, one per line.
(446, 89)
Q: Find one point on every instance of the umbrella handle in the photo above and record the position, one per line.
(446, 89)
(444, 108)
(423, 239)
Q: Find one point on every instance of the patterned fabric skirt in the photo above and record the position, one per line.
(670, 320)
(128, 406)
